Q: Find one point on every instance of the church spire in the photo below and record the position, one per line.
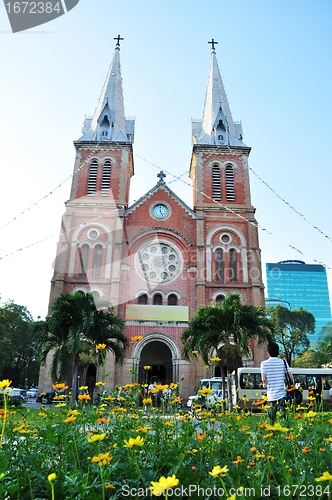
(108, 122)
(217, 126)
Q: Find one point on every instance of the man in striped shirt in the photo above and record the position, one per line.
(273, 377)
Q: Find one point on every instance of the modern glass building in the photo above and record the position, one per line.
(300, 285)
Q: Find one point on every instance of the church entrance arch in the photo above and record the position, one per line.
(162, 354)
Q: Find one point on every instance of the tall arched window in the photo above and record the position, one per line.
(172, 300)
(230, 188)
(216, 188)
(219, 265)
(143, 299)
(92, 181)
(83, 253)
(157, 300)
(106, 179)
(97, 257)
(232, 265)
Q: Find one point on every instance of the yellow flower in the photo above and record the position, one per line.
(73, 412)
(84, 397)
(158, 487)
(61, 387)
(5, 383)
(100, 346)
(109, 486)
(194, 352)
(325, 477)
(51, 477)
(147, 367)
(168, 423)
(205, 392)
(276, 427)
(138, 441)
(101, 420)
(217, 471)
(102, 458)
(69, 420)
(310, 414)
(96, 437)
(147, 401)
(215, 360)
(233, 497)
(99, 383)
(83, 388)
(176, 400)
(136, 338)
(174, 386)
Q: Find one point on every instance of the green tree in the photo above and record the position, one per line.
(76, 326)
(226, 328)
(17, 345)
(322, 355)
(291, 329)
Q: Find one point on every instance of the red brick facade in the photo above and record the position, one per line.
(159, 253)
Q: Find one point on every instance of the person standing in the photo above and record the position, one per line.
(273, 372)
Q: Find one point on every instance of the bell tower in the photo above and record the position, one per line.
(89, 251)
(227, 234)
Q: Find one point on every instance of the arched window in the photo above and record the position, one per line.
(230, 189)
(172, 300)
(98, 253)
(219, 265)
(220, 298)
(232, 265)
(83, 253)
(157, 300)
(143, 299)
(106, 179)
(216, 189)
(92, 181)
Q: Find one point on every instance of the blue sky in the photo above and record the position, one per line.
(275, 60)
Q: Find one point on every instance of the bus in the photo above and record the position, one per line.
(249, 384)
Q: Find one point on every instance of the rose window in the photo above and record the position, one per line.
(158, 262)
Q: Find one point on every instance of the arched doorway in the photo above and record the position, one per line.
(162, 353)
(157, 355)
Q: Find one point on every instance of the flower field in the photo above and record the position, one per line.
(115, 452)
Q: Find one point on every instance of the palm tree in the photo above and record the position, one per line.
(226, 329)
(76, 326)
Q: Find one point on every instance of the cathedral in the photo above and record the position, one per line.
(158, 260)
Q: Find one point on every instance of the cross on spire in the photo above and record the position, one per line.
(213, 43)
(118, 38)
(161, 176)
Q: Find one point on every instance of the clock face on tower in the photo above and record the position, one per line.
(160, 211)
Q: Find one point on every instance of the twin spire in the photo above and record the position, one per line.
(109, 123)
(217, 126)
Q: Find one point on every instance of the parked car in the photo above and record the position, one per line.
(15, 393)
(32, 392)
(210, 401)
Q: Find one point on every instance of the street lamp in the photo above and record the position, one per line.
(27, 361)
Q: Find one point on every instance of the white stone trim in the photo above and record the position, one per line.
(243, 249)
(75, 244)
(153, 337)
